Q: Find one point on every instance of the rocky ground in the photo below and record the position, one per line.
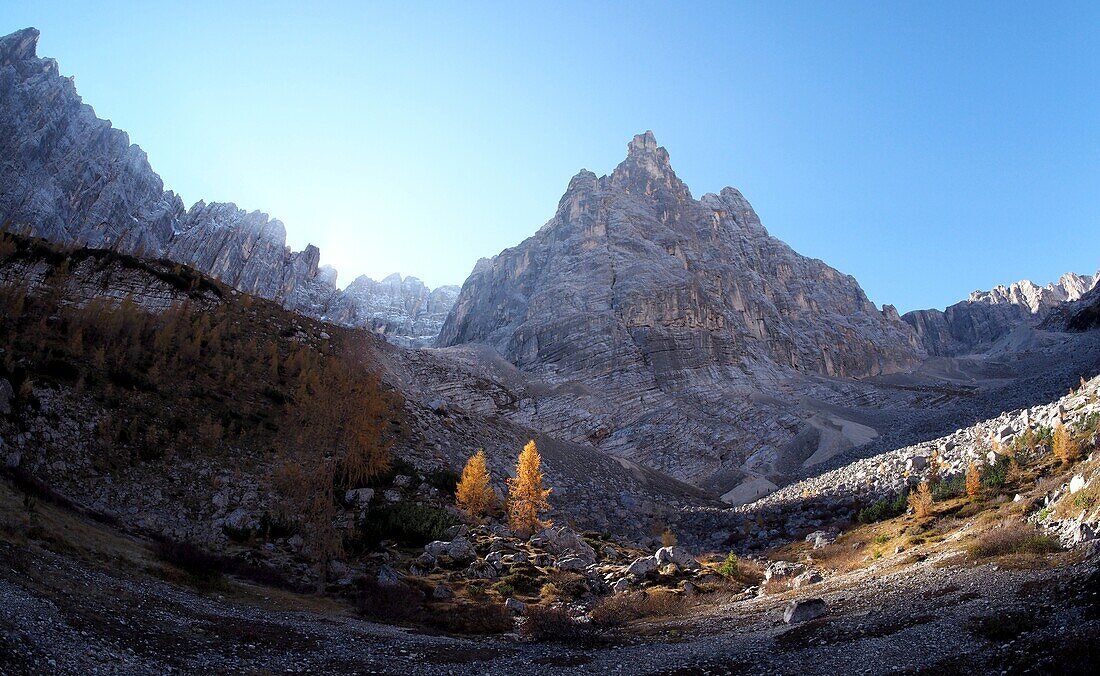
(94, 601)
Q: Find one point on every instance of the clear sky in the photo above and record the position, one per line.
(929, 149)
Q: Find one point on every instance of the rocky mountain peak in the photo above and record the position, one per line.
(647, 170)
(19, 46)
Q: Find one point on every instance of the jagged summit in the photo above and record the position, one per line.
(647, 169)
(19, 46)
(71, 177)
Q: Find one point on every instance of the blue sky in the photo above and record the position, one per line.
(929, 149)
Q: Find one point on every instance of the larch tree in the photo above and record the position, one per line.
(473, 494)
(973, 480)
(526, 495)
(1065, 447)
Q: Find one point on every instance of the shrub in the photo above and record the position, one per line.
(946, 489)
(730, 567)
(886, 508)
(406, 523)
(207, 567)
(472, 618)
(556, 624)
(997, 474)
(620, 609)
(1014, 538)
(389, 603)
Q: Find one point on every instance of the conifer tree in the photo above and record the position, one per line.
(1064, 445)
(473, 494)
(526, 496)
(920, 500)
(973, 481)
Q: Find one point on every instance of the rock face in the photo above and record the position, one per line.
(72, 178)
(987, 316)
(404, 310)
(655, 318)
(633, 267)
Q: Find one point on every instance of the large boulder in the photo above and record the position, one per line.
(643, 566)
(458, 549)
(359, 497)
(679, 556)
(782, 570)
(803, 610)
(564, 541)
(481, 570)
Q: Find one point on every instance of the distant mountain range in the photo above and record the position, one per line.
(671, 332)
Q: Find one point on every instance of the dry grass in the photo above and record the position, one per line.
(616, 611)
(556, 624)
(1012, 538)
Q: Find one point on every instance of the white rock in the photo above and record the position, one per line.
(1076, 483)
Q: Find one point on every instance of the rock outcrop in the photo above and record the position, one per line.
(986, 316)
(73, 178)
(404, 310)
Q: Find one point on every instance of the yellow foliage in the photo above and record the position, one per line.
(921, 500)
(973, 480)
(473, 494)
(526, 495)
(668, 538)
(1065, 446)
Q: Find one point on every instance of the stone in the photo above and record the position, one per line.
(821, 538)
(442, 592)
(454, 532)
(402, 480)
(388, 576)
(392, 495)
(240, 520)
(423, 564)
(805, 579)
(621, 586)
(803, 610)
(1076, 483)
(679, 556)
(642, 566)
(781, 570)
(564, 541)
(481, 570)
(359, 497)
(6, 396)
(458, 549)
(517, 607)
(916, 463)
(571, 562)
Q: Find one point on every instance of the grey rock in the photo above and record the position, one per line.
(563, 541)
(516, 606)
(6, 396)
(679, 556)
(240, 520)
(359, 497)
(481, 570)
(574, 563)
(458, 549)
(805, 579)
(803, 610)
(642, 566)
(781, 570)
(388, 576)
(442, 592)
(621, 586)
